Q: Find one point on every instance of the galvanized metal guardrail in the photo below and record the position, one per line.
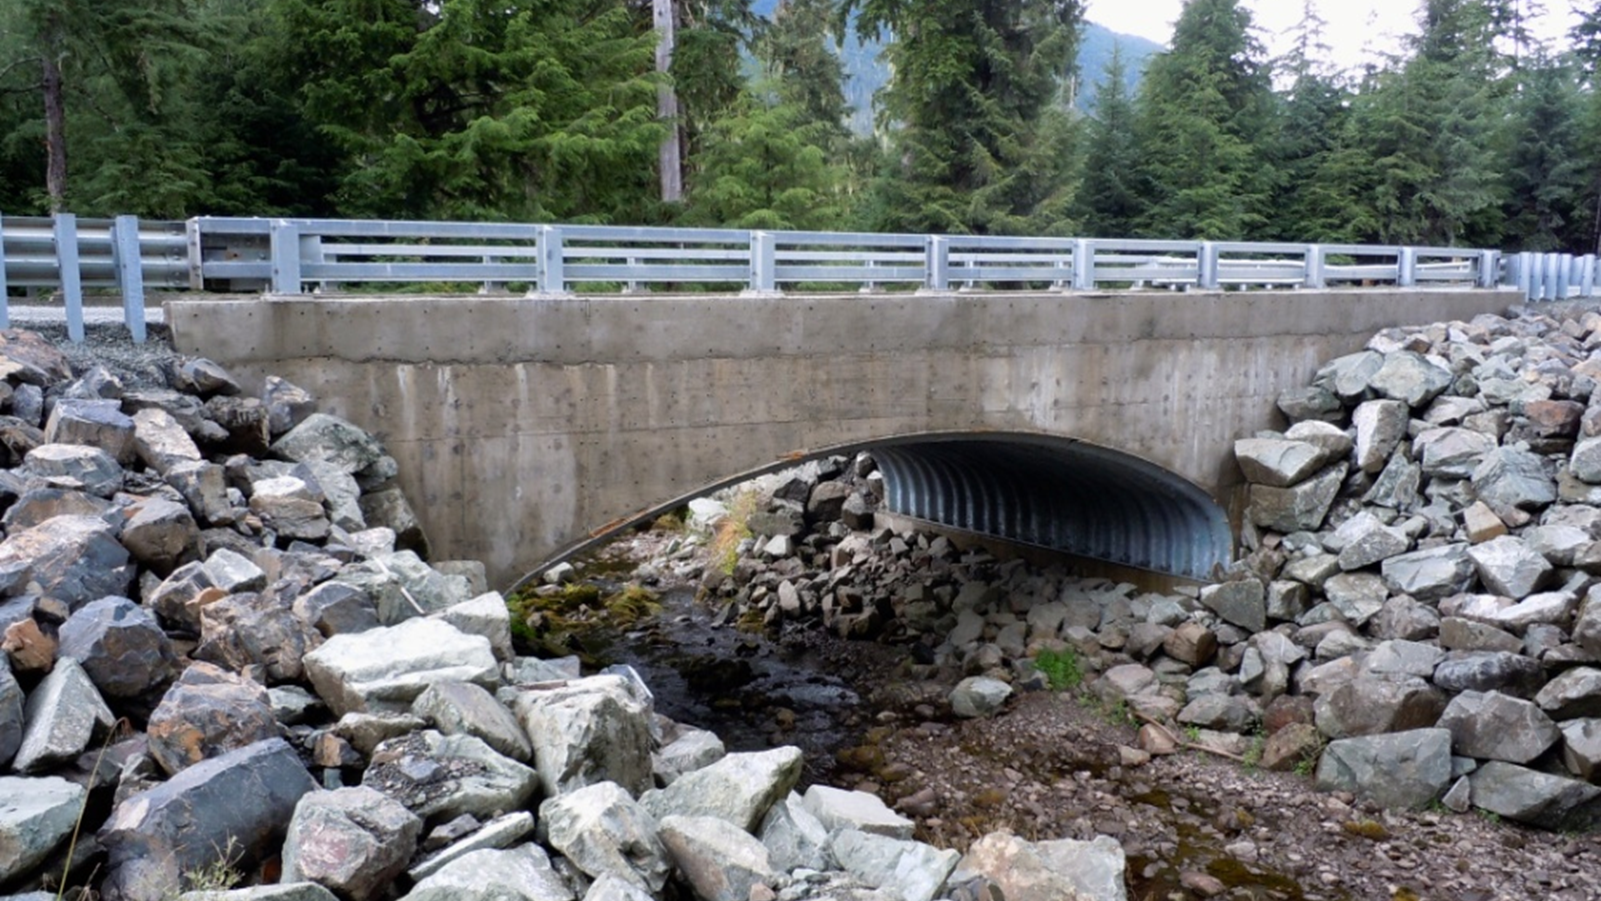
(299, 256)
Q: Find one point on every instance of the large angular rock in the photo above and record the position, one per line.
(462, 708)
(838, 809)
(484, 615)
(37, 505)
(341, 495)
(333, 608)
(439, 777)
(206, 713)
(1510, 479)
(1350, 377)
(738, 788)
(522, 873)
(36, 815)
(1397, 484)
(501, 832)
(1277, 462)
(231, 808)
(978, 696)
(1587, 626)
(1502, 671)
(402, 586)
(1410, 378)
(352, 840)
(256, 634)
(287, 404)
(1458, 634)
(793, 836)
(1243, 603)
(204, 489)
(1495, 726)
(1553, 608)
(75, 466)
(604, 831)
(1357, 597)
(31, 359)
(1585, 462)
(233, 573)
(691, 750)
(1301, 508)
(1370, 543)
(121, 646)
(720, 861)
(1403, 769)
(1539, 799)
(75, 559)
(1367, 706)
(1573, 694)
(162, 535)
(910, 870)
(1380, 426)
(385, 669)
(160, 442)
(388, 508)
(589, 730)
(1227, 713)
(290, 507)
(1050, 871)
(1581, 748)
(94, 423)
(63, 714)
(11, 715)
(331, 439)
(1510, 567)
(1451, 452)
(1432, 573)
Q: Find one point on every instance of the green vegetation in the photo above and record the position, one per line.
(732, 529)
(545, 618)
(1060, 668)
(1475, 133)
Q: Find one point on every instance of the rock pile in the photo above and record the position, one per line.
(226, 658)
(1419, 613)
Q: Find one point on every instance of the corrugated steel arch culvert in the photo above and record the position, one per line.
(1058, 494)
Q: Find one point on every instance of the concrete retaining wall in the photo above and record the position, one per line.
(524, 425)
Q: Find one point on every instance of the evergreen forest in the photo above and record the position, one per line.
(1475, 134)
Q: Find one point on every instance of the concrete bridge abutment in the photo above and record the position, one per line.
(526, 426)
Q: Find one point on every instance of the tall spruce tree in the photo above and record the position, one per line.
(1312, 158)
(1546, 175)
(1109, 202)
(973, 113)
(1204, 111)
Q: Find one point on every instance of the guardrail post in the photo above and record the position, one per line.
(552, 275)
(1316, 275)
(192, 240)
(763, 263)
(126, 260)
(1083, 265)
(1406, 268)
(937, 264)
(284, 238)
(5, 311)
(1564, 275)
(1206, 266)
(1522, 275)
(1489, 266)
(1587, 275)
(71, 280)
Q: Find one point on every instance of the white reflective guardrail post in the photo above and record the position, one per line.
(763, 264)
(937, 268)
(1206, 266)
(552, 277)
(1406, 268)
(1315, 274)
(5, 311)
(284, 250)
(1084, 265)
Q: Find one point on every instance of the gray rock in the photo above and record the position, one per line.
(38, 505)
(64, 713)
(1397, 484)
(256, 634)
(160, 442)
(385, 669)
(1403, 769)
(838, 809)
(1451, 452)
(1372, 543)
(523, 873)
(205, 378)
(1349, 377)
(1510, 479)
(1581, 748)
(74, 559)
(1403, 658)
(605, 832)
(1458, 634)
(1585, 462)
(332, 440)
(610, 888)
(335, 608)
(290, 507)
(501, 832)
(909, 870)
(402, 586)
(291, 704)
(204, 489)
(290, 891)
(36, 815)
(1573, 694)
(979, 696)
(1227, 713)
(793, 836)
(586, 731)
(720, 861)
(1368, 706)
(1380, 426)
(1510, 567)
(484, 615)
(1497, 727)
(1277, 462)
(206, 713)
(355, 841)
(233, 572)
(1410, 378)
(1243, 603)
(1587, 626)
(1402, 618)
(462, 708)
(738, 788)
(1309, 404)
(1545, 608)
(1502, 671)
(1539, 799)
(75, 466)
(1049, 871)
(388, 508)
(1334, 441)
(1301, 508)
(122, 647)
(93, 423)
(690, 751)
(1432, 573)
(1561, 544)
(11, 711)
(1358, 597)
(231, 808)
(439, 777)
(162, 535)
(287, 405)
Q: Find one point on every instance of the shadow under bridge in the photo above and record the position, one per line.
(1059, 494)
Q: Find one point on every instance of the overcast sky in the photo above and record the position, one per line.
(1356, 28)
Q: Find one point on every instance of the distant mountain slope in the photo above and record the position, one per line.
(866, 73)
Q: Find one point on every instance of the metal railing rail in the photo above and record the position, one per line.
(299, 256)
